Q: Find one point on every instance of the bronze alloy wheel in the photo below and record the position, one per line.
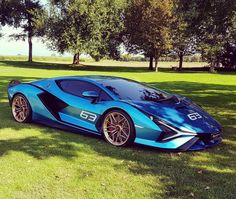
(117, 128)
(21, 109)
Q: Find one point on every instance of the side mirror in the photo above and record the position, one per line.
(91, 94)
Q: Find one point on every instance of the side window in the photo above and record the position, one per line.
(77, 87)
(104, 96)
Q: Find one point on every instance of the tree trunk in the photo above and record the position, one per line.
(76, 58)
(181, 55)
(30, 57)
(156, 63)
(212, 66)
(151, 63)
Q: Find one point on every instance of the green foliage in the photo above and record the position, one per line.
(213, 23)
(7, 8)
(105, 19)
(228, 56)
(85, 26)
(65, 26)
(20, 14)
(183, 41)
(147, 25)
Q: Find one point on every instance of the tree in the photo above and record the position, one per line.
(91, 27)
(147, 28)
(21, 14)
(183, 41)
(65, 27)
(212, 23)
(106, 25)
(228, 57)
(5, 11)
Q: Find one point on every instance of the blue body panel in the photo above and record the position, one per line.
(176, 114)
(189, 121)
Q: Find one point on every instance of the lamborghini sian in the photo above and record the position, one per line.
(123, 111)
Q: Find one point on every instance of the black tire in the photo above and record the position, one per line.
(118, 134)
(21, 109)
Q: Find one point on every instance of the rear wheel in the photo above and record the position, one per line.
(21, 109)
(118, 128)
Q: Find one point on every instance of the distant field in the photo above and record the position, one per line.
(41, 162)
(144, 64)
(88, 61)
(36, 58)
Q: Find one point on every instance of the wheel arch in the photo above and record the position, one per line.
(27, 101)
(99, 122)
(17, 93)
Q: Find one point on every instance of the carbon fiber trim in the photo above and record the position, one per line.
(188, 144)
(52, 103)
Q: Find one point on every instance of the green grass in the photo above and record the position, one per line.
(41, 162)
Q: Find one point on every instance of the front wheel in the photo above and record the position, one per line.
(118, 128)
(21, 109)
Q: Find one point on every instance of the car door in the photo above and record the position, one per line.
(81, 111)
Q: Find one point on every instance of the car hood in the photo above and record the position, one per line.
(180, 112)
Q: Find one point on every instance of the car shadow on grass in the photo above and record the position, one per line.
(202, 174)
(59, 66)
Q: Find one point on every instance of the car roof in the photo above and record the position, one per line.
(94, 78)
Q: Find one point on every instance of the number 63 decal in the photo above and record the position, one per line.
(194, 116)
(88, 116)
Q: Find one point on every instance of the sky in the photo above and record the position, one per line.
(11, 47)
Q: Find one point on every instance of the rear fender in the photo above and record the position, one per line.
(27, 90)
(13, 83)
(31, 93)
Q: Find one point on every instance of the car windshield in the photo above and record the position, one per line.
(131, 90)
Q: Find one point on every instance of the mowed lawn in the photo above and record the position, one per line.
(41, 162)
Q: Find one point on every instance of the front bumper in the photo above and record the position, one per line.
(206, 140)
(185, 143)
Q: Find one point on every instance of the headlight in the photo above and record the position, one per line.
(169, 132)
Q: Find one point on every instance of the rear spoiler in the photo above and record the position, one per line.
(13, 83)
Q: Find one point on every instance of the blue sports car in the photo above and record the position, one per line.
(122, 110)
